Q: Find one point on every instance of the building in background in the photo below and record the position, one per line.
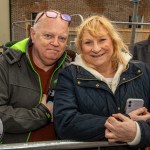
(4, 22)
(22, 12)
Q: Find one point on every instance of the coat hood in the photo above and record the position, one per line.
(21, 45)
(14, 50)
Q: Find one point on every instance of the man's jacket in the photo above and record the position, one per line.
(141, 51)
(21, 93)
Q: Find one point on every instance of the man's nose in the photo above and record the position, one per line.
(55, 42)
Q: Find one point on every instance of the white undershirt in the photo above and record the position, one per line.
(109, 81)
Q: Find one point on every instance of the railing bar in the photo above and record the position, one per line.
(56, 145)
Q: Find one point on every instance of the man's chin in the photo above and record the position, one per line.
(52, 57)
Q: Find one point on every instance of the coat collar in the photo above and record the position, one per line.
(116, 79)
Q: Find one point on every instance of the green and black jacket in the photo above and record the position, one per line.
(21, 93)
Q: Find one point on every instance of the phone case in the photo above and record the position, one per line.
(133, 104)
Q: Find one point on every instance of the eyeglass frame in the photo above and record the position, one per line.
(58, 13)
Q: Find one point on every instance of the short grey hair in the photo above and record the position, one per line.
(35, 26)
(37, 16)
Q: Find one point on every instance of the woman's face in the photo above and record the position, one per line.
(97, 51)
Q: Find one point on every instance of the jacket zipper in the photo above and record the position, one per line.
(119, 107)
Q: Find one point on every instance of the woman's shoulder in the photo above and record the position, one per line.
(70, 69)
(140, 65)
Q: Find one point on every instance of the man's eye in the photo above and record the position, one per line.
(47, 36)
(62, 39)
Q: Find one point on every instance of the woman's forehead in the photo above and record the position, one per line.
(99, 32)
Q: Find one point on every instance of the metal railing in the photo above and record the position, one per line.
(17, 24)
(80, 16)
(57, 145)
(133, 31)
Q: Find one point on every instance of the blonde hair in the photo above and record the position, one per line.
(93, 26)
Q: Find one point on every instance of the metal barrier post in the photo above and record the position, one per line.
(135, 12)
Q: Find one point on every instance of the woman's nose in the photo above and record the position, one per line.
(96, 48)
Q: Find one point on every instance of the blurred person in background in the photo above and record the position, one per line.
(141, 51)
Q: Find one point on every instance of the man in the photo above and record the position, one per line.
(28, 75)
(141, 51)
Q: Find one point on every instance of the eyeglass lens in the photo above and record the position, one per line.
(66, 17)
(53, 14)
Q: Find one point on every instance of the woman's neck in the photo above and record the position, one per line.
(107, 72)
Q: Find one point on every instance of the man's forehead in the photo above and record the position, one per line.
(57, 21)
(51, 27)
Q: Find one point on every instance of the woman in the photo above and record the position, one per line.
(97, 84)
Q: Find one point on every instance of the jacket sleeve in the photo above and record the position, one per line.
(19, 120)
(145, 125)
(69, 122)
(134, 51)
(145, 133)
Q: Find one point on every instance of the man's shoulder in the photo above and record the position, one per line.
(11, 56)
(142, 43)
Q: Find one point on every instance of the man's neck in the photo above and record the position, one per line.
(38, 62)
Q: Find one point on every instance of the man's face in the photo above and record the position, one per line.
(49, 40)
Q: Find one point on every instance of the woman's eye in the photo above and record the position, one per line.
(101, 40)
(87, 42)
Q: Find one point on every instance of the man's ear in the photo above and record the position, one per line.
(32, 33)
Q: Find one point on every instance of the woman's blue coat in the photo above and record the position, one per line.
(82, 103)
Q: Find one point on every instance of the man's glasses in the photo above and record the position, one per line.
(54, 14)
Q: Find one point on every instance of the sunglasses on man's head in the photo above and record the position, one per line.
(54, 14)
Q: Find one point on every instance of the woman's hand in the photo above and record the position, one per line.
(140, 114)
(120, 128)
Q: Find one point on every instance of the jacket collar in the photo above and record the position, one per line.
(21, 45)
(79, 62)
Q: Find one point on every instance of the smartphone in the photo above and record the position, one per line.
(133, 104)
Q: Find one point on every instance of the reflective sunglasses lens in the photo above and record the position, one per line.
(66, 17)
(51, 14)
